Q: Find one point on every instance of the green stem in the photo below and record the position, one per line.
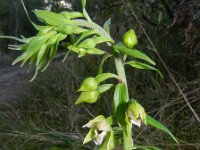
(127, 135)
(120, 70)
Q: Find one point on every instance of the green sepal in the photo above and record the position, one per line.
(88, 97)
(89, 84)
(89, 136)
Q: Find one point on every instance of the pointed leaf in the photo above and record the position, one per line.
(107, 24)
(151, 121)
(133, 53)
(144, 66)
(70, 29)
(103, 88)
(23, 40)
(88, 43)
(51, 18)
(100, 71)
(71, 15)
(120, 103)
(84, 35)
(95, 51)
(104, 76)
(93, 26)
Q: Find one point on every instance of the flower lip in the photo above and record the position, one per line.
(99, 137)
(136, 113)
(135, 121)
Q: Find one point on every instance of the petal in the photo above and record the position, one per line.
(136, 122)
(103, 126)
(98, 140)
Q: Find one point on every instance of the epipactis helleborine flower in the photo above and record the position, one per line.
(136, 113)
(99, 127)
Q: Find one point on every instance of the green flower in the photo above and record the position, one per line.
(136, 113)
(130, 39)
(88, 97)
(89, 84)
(99, 127)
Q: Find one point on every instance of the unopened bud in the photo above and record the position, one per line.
(130, 39)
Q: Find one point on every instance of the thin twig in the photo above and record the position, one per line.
(126, 3)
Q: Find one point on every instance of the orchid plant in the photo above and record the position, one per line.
(107, 132)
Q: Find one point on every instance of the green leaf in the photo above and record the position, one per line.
(68, 29)
(106, 25)
(120, 103)
(23, 40)
(22, 47)
(100, 71)
(99, 40)
(104, 76)
(41, 55)
(51, 18)
(120, 106)
(133, 53)
(44, 29)
(92, 42)
(93, 26)
(151, 121)
(103, 88)
(33, 47)
(144, 66)
(41, 28)
(95, 51)
(84, 35)
(71, 15)
(88, 43)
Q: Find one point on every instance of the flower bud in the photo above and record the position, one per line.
(136, 113)
(130, 39)
(88, 97)
(89, 84)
